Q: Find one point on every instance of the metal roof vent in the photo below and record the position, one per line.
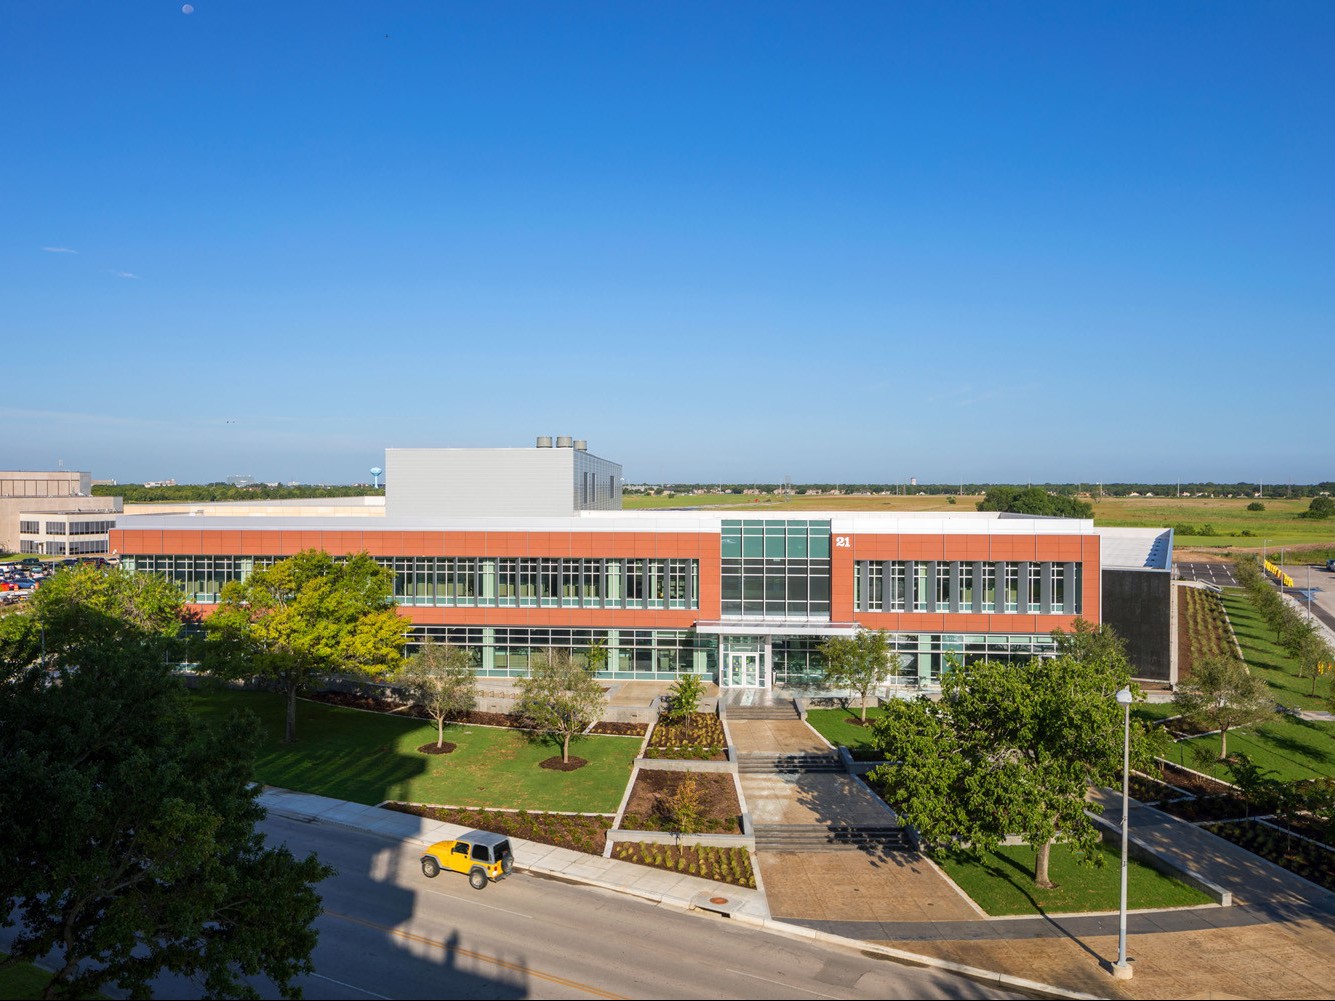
(544, 441)
(581, 445)
(564, 441)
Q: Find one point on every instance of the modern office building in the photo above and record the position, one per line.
(510, 551)
(47, 511)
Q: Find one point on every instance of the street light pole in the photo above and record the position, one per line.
(1122, 969)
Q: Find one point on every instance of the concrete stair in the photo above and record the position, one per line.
(753, 705)
(787, 764)
(829, 838)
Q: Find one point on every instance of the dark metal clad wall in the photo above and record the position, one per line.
(1137, 603)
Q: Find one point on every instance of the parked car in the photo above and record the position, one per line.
(484, 856)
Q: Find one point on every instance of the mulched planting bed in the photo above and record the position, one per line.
(1302, 857)
(1191, 782)
(1203, 808)
(621, 729)
(1203, 629)
(700, 737)
(433, 748)
(582, 834)
(1149, 790)
(648, 808)
(555, 764)
(723, 865)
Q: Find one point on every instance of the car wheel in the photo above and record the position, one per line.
(477, 879)
(430, 867)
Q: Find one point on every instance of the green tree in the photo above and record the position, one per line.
(304, 618)
(1034, 500)
(127, 825)
(1319, 507)
(1099, 646)
(150, 604)
(560, 698)
(859, 662)
(683, 698)
(1008, 749)
(440, 678)
(1222, 694)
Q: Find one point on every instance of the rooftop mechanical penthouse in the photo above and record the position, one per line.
(510, 551)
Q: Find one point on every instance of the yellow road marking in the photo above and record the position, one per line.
(480, 956)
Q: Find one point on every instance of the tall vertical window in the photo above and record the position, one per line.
(1058, 587)
(921, 582)
(1012, 587)
(989, 586)
(966, 587)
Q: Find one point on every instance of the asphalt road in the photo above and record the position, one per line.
(388, 932)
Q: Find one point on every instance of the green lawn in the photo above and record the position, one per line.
(1267, 659)
(1292, 748)
(839, 727)
(368, 758)
(1150, 711)
(1003, 883)
(22, 980)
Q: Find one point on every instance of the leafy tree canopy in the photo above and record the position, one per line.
(1034, 500)
(1320, 507)
(127, 826)
(306, 617)
(441, 679)
(859, 662)
(560, 697)
(1222, 694)
(1009, 749)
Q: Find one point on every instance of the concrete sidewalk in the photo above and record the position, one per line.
(657, 885)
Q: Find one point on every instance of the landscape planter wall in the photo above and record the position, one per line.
(746, 841)
(685, 765)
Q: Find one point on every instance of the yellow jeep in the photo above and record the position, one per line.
(484, 856)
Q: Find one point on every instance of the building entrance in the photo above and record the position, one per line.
(742, 670)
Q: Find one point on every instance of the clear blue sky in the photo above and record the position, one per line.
(741, 241)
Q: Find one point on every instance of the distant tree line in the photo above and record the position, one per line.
(1209, 488)
(135, 493)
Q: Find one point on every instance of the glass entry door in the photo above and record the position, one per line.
(742, 670)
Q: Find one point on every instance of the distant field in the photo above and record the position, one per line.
(1278, 525)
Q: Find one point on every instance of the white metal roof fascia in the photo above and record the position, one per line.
(776, 627)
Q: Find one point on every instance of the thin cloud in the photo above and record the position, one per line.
(59, 250)
(125, 274)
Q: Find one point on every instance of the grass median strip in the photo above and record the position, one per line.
(1003, 883)
(368, 758)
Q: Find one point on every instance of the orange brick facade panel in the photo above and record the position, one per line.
(846, 550)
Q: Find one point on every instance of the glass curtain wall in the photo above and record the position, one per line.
(776, 568)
